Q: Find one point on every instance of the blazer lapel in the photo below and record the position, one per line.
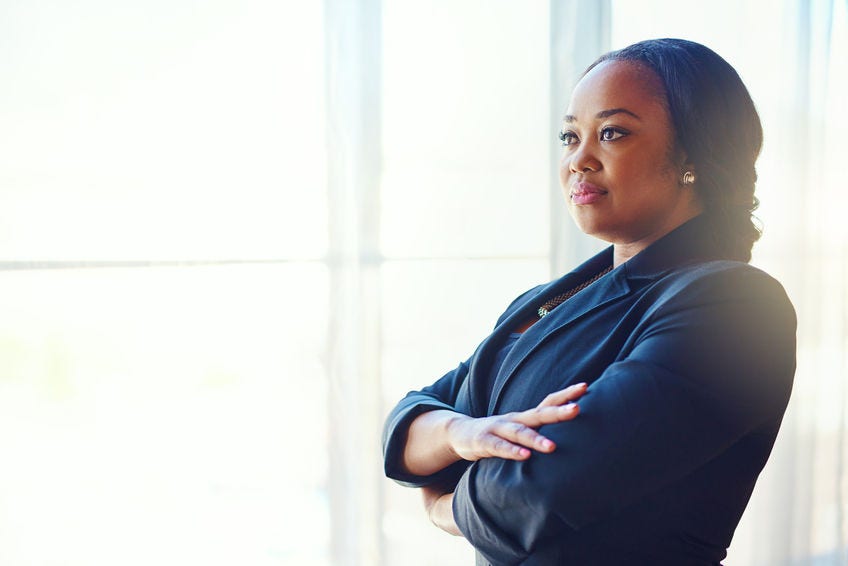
(481, 364)
(607, 289)
(690, 242)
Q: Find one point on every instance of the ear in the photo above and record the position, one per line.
(680, 158)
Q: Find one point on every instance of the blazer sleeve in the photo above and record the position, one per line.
(711, 364)
(440, 395)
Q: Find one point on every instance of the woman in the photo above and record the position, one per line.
(622, 413)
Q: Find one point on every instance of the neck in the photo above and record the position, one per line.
(624, 251)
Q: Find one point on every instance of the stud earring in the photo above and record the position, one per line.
(688, 178)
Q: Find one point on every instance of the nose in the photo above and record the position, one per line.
(582, 159)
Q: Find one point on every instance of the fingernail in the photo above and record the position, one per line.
(569, 408)
(545, 443)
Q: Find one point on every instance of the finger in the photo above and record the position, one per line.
(522, 435)
(539, 416)
(502, 448)
(563, 396)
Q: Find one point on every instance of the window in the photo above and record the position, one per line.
(163, 228)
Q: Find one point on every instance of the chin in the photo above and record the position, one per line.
(589, 225)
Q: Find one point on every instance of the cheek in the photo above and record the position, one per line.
(648, 171)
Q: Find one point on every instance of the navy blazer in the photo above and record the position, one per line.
(689, 359)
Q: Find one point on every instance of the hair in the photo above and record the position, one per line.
(717, 127)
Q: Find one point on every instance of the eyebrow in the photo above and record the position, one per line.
(569, 118)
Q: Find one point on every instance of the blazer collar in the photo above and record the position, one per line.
(692, 241)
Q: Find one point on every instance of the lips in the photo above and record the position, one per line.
(586, 193)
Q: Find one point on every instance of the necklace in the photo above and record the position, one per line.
(561, 298)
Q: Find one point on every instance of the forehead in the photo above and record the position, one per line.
(618, 84)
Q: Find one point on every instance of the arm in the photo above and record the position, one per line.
(556, 407)
(711, 365)
(437, 439)
(440, 396)
(441, 463)
(439, 507)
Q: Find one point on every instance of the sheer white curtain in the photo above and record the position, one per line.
(799, 515)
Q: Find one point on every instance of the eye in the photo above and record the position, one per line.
(567, 138)
(612, 134)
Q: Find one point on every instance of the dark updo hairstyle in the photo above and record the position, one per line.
(715, 125)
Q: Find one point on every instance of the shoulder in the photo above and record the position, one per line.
(721, 281)
(726, 325)
(719, 301)
(716, 271)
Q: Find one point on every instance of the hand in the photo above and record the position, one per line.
(439, 506)
(513, 435)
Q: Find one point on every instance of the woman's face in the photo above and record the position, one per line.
(619, 169)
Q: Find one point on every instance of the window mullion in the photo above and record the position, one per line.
(352, 47)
